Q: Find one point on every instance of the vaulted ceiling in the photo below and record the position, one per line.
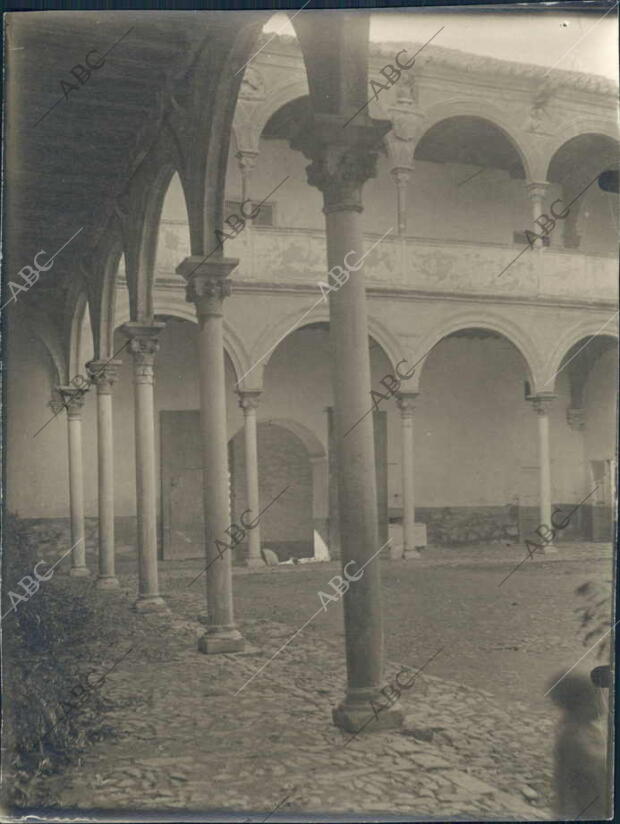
(72, 138)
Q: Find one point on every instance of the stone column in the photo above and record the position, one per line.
(103, 374)
(406, 404)
(320, 501)
(536, 192)
(248, 401)
(401, 175)
(342, 160)
(541, 405)
(73, 400)
(143, 344)
(208, 285)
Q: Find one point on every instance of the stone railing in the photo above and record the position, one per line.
(298, 256)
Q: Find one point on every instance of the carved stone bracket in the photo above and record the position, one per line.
(344, 157)
(103, 374)
(144, 344)
(73, 400)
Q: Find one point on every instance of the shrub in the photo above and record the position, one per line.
(42, 669)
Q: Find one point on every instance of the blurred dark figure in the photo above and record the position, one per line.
(580, 768)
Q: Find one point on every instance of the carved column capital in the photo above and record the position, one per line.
(73, 400)
(401, 175)
(406, 402)
(247, 160)
(541, 403)
(344, 157)
(576, 418)
(207, 282)
(103, 374)
(143, 344)
(536, 190)
(249, 400)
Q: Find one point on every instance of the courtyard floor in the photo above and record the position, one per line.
(478, 736)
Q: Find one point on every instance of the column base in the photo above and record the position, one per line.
(411, 554)
(254, 562)
(150, 603)
(549, 550)
(221, 640)
(356, 714)
(79, 572)
(107, 582)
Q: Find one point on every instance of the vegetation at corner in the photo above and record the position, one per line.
(47, 648)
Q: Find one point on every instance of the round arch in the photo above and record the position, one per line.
(482, 110)
(274, 334)
(176, 306)
(580, 128)
(585, 329)
(508, 330)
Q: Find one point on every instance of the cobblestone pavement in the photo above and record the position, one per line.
(186, 742)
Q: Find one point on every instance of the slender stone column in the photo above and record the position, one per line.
(406, 404)
(103, 374)
(73, 399)
(536, 192)
(541, 405)
(207, 287)
(342, 160)
(401, 174)
(143, 344)
(248, 401)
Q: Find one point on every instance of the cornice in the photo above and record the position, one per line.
(398, 292)
(466, 62)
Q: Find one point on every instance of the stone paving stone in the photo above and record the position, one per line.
(188, 743)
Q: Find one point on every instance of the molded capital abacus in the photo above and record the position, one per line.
(103, 374)
(73, 400)
(536, 190)
(344, 157)
(541, 403)
(144, 344)
(207, 282)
